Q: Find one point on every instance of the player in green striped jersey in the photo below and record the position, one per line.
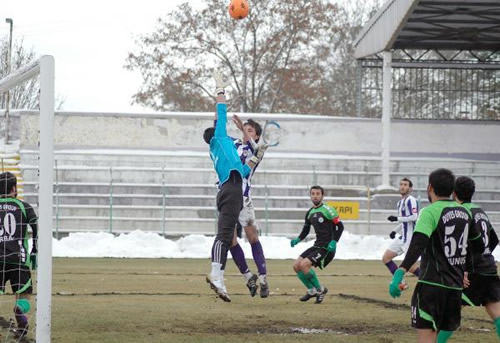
(328, 228)
(442, 235)
(481, 281)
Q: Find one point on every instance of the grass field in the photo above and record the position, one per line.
(168, 300)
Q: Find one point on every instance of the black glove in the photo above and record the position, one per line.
(392, 218)
(392, 234)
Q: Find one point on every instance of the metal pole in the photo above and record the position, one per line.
(369, 208)
(386, 117)
(266, 202)
(57, 201)
(9, 60)
(163, 201)
(111, 200)
(46, 181)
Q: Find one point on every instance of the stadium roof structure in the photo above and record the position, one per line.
(431, 25)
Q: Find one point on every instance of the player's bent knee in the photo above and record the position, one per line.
(23, 304)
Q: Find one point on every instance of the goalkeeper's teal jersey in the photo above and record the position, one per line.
(223, 151)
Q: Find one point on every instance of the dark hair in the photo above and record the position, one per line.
(465, 188)
(443, 181)
(317, 187)
(7, 182)
(208, 134)
(408, 180)
(256, 126)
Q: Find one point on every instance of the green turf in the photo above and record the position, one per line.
(168, 300)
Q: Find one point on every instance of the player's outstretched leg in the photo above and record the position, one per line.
(260, 261)
(241, 263)
(216, 276)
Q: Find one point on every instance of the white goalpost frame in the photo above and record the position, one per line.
(45, 67)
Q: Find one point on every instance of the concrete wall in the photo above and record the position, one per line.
(354, 136)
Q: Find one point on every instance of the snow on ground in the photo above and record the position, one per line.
(140, 244)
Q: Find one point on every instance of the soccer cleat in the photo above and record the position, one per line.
(252, 285)
(264, 290)
(218, 288)
(321, 295)
(308, 296)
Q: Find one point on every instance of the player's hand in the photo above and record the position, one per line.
(294, 242)
(466, 280)
(261, 150)
(392, 218)
(253, 144)
(259, 154)
(33, 261)
(237, 121)
(220, 83)
(394, 290)
(392, 234)
(331, 246)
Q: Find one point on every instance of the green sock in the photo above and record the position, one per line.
(313, 278)
(304, 280)
(497, 325)
(443, 336)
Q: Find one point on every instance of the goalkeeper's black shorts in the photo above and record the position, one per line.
(19, 277)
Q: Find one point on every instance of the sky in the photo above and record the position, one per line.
(90, 41)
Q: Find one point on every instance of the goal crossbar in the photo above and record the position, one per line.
(45, 67)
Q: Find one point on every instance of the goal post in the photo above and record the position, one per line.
(45, 68)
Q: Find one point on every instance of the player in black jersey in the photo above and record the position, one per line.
(442, 236)
(481, 281)
(15, 262)
(328, 228)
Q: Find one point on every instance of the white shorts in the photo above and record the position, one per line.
(398, 246)
(247, 214)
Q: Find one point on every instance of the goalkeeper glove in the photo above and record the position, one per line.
(294, 242)
(331, 246)
(392, 234)
(261, 149)
(392, 218)
(220, 83)
(394, 289)
(33, 261)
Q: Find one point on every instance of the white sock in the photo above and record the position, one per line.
(262, 278)
(312, 291)
(216, 272)
(247, 275)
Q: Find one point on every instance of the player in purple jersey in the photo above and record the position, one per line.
(246, 148)
(407, 217)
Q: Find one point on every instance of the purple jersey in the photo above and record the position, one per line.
(245, 151)
(407, 215)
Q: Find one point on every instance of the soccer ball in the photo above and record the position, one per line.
(238, 9)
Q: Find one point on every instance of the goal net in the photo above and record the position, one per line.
(19, 310)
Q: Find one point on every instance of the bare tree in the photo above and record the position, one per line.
(25, 95)
(278, 57)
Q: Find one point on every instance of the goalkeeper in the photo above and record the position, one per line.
(230, 172)
(15, 261)
(328, 228)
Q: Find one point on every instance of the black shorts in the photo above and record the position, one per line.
(436, 308)
(19, 277)
(316, 254)
(229, 205)
(482, 290)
